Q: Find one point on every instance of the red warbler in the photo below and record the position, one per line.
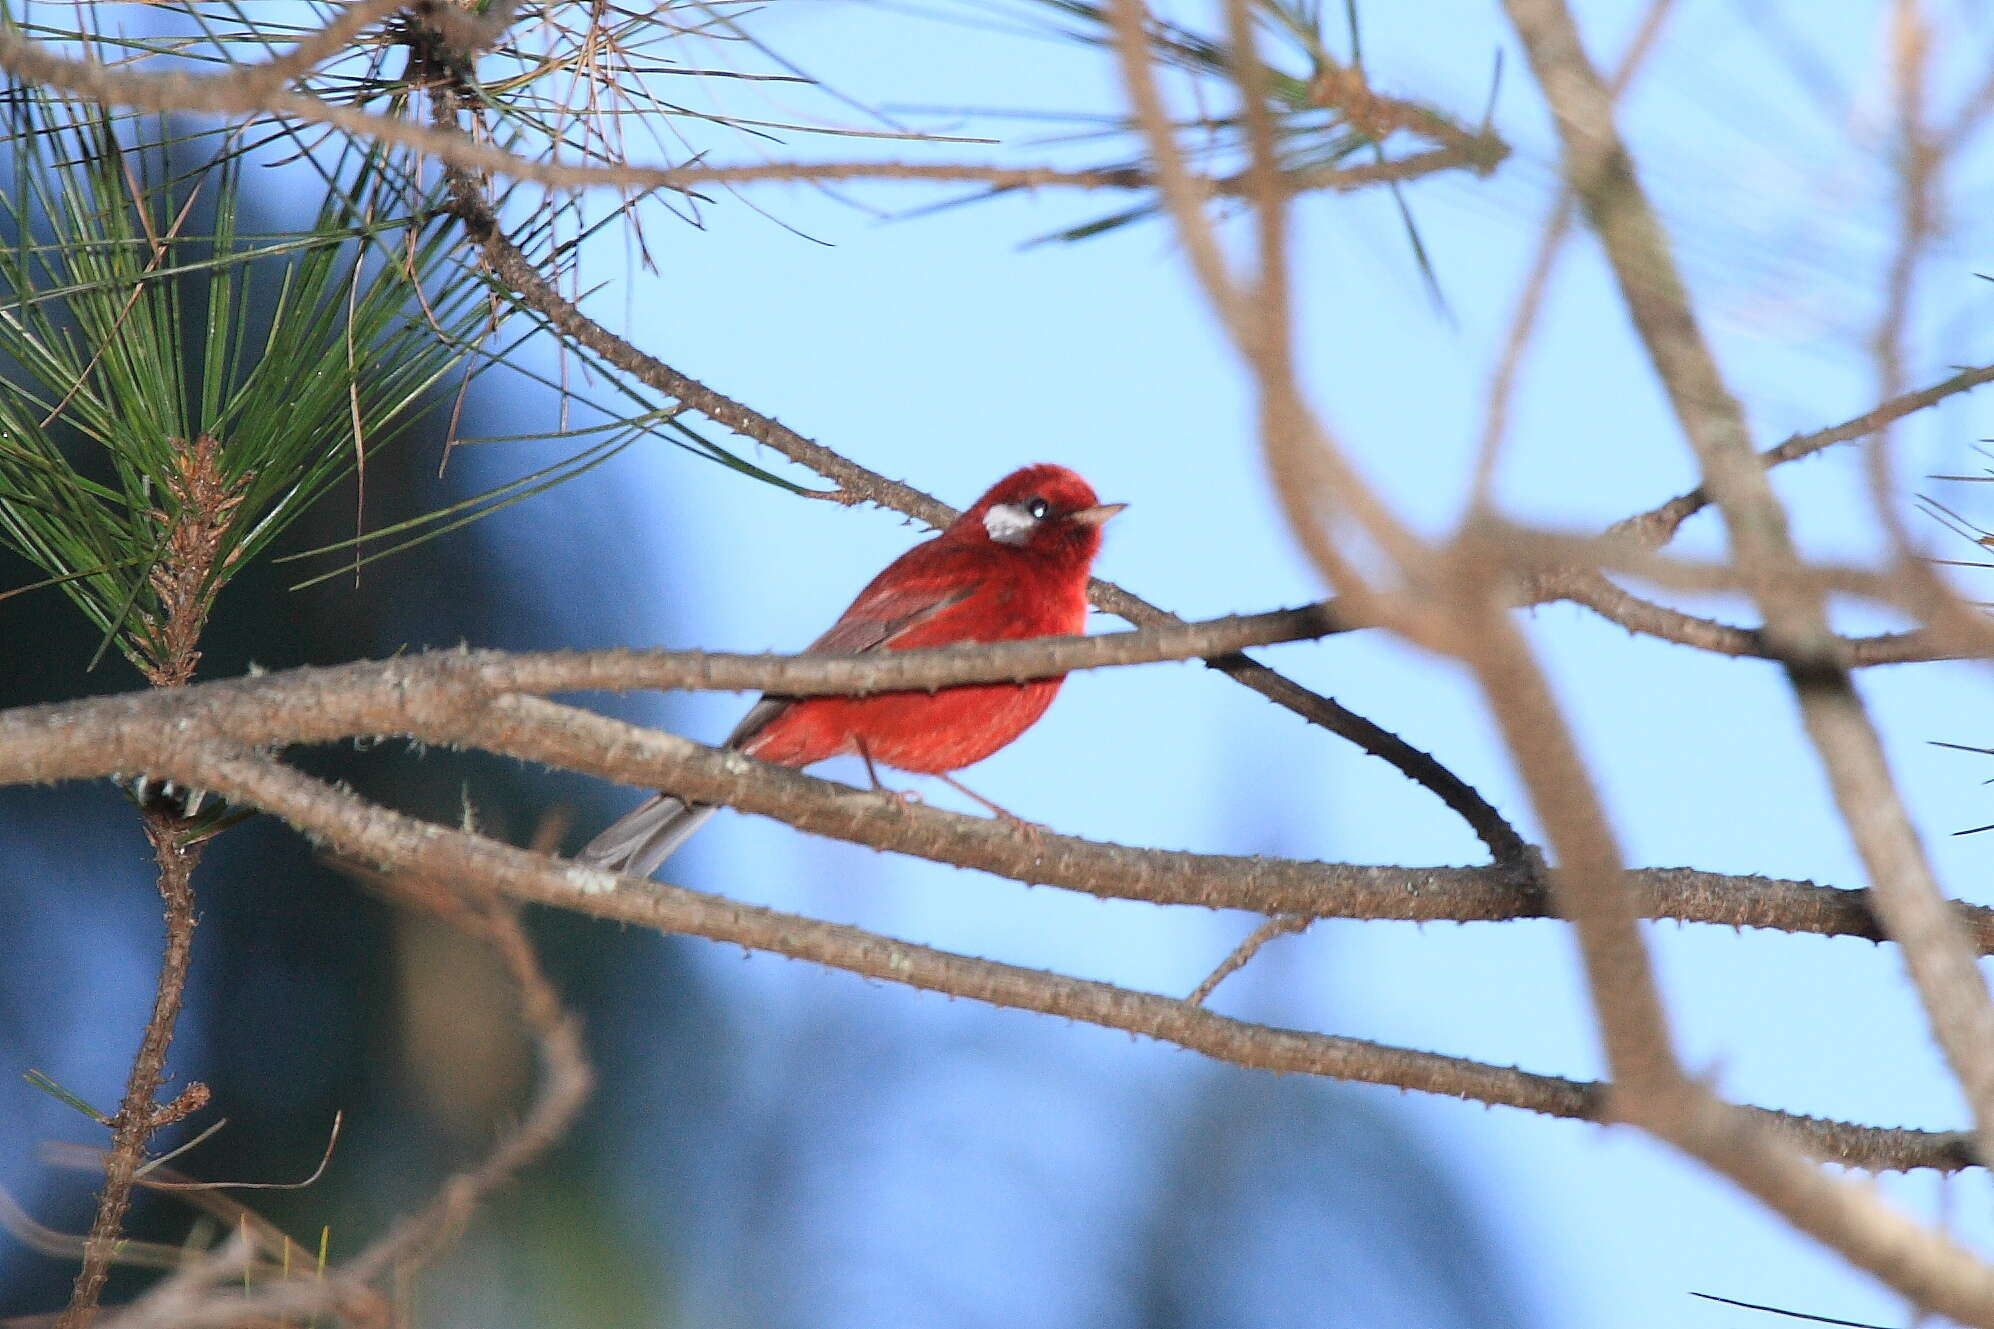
(1013, 566)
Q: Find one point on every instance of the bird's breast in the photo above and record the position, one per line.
(925, 732)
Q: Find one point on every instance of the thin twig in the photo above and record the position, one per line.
(177, 1300)
(1239, 957)
(1616, 604)
(1658, 525)
(140, 1114)
(1550, 246)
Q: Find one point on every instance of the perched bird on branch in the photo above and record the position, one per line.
(1013, 566)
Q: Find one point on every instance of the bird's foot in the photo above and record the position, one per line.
(1029, 828)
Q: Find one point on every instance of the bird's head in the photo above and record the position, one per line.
(1045, 509)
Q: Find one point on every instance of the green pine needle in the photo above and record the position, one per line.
(136, 318)
(48, 1086)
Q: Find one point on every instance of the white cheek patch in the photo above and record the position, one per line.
(1009, 524)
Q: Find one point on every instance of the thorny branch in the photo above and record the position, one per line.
(1658, 526)
(361, 830)
(140, 1113)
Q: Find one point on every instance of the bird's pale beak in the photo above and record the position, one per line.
(1098, 514)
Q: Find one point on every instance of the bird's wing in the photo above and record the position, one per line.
(888, 607)
(878, 617)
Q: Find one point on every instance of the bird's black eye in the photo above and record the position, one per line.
(1038, 507)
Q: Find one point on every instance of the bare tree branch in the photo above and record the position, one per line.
(265, 89)
(453, 698)
(1314, 481)
(1616, 604)
(1658, 525)
(364, 831)
(1537, 283)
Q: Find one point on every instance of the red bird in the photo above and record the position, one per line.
(1013, 566)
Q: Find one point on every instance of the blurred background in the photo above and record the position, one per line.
(777, 1145)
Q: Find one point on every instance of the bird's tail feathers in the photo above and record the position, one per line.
(639, 841)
